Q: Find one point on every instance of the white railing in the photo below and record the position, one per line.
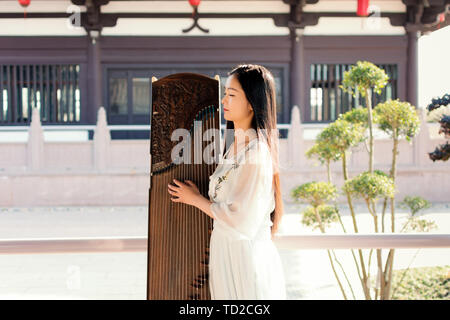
(289, 242)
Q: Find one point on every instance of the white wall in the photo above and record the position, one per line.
(434, 65)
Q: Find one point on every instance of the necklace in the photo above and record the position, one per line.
(239, 151)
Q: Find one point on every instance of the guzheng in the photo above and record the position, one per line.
(178, 234)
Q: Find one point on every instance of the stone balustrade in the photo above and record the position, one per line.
(103, 171)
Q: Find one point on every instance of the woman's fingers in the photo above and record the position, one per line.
(191, 183)
(171, 187)
(178, 183)
(178, 189)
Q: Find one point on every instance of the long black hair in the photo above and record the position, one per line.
(259, 87)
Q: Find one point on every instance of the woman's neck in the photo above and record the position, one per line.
(243, 133)
(244, 136)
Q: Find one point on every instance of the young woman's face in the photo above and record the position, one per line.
(235, 105)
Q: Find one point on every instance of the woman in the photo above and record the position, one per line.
(245, 197)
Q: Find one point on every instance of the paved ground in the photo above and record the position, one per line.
(123, 275)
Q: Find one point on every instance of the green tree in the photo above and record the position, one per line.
(363, 78)
(399, 120)
(335, 142)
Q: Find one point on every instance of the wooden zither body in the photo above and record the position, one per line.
(178, 234)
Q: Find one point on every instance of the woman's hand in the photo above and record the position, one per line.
(185, 192)
(189, 194)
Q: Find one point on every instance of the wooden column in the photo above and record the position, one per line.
(297, 74)
(94, 79)
(412, 67)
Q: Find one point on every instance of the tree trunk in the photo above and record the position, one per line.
(390, 260)
(355, 226)
(322, 229)
(369, 113)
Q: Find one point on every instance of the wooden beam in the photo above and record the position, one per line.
(423, 18)
(280, 19)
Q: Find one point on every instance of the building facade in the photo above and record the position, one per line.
(69, 60)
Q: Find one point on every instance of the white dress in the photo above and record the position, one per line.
(243, 261)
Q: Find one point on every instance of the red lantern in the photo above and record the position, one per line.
(25, 4)
(363, 8)
(194, 3)
(441, 19)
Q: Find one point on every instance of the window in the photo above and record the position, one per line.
(327, 100)
(128, 96)
(53, 89)
(118, 95)
(141, 95)
(128, 89)
(128, 100)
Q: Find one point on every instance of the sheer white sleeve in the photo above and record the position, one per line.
(247, 202)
